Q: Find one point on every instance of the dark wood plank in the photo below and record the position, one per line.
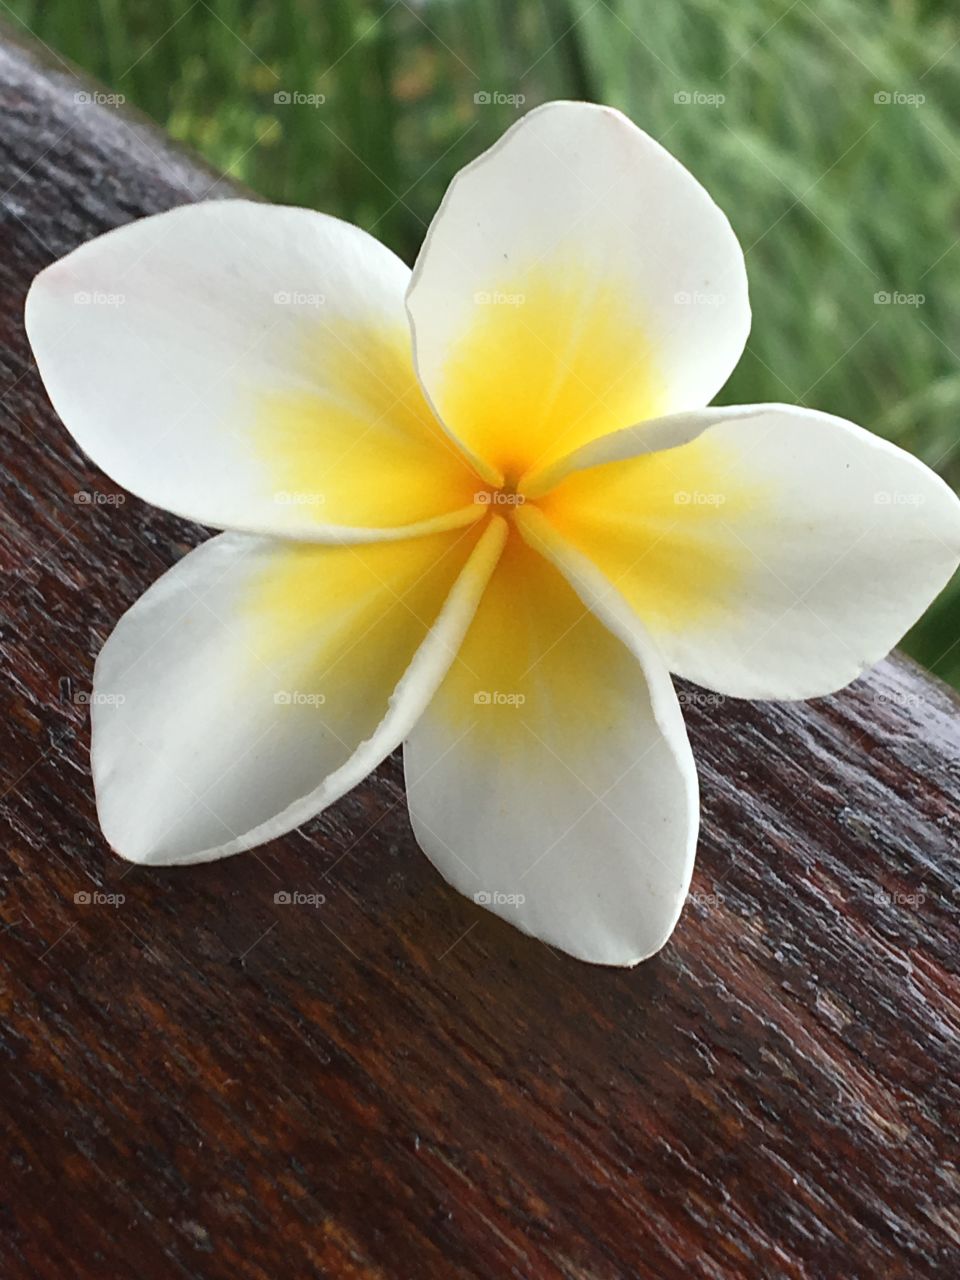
(199, 1083)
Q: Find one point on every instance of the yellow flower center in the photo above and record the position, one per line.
(550, 360)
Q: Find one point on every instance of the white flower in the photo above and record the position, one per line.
(488, 525)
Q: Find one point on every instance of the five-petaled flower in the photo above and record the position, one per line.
(480, 510)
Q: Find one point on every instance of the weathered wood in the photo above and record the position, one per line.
(199, 1083)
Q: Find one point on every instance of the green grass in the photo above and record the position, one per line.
(834, 196)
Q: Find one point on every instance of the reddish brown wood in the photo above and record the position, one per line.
(199, 1083)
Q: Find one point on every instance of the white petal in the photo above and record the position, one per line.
(551, 777)
(774, 552)
(250, 367)
(258, 681)
(575, 280)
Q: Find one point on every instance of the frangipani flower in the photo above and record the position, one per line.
(480, 510)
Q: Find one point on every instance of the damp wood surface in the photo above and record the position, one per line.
(199, 1083)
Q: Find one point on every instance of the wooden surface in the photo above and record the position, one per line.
(197, 1082)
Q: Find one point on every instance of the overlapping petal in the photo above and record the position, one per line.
(576, 279)
(258, 681)
(249, 367)
(774, 552)
(551, 778)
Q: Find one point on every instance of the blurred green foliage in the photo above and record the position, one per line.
(827, 131)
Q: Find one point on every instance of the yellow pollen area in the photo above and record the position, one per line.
(522, 662)
(662, 526)
(503, 500)
(354, 441)
(549, 360)
(320, 616)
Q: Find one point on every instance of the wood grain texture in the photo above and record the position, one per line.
(197, 1082)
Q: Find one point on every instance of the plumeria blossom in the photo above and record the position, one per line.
(480, 510)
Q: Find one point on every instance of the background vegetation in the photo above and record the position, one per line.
(827, 131)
